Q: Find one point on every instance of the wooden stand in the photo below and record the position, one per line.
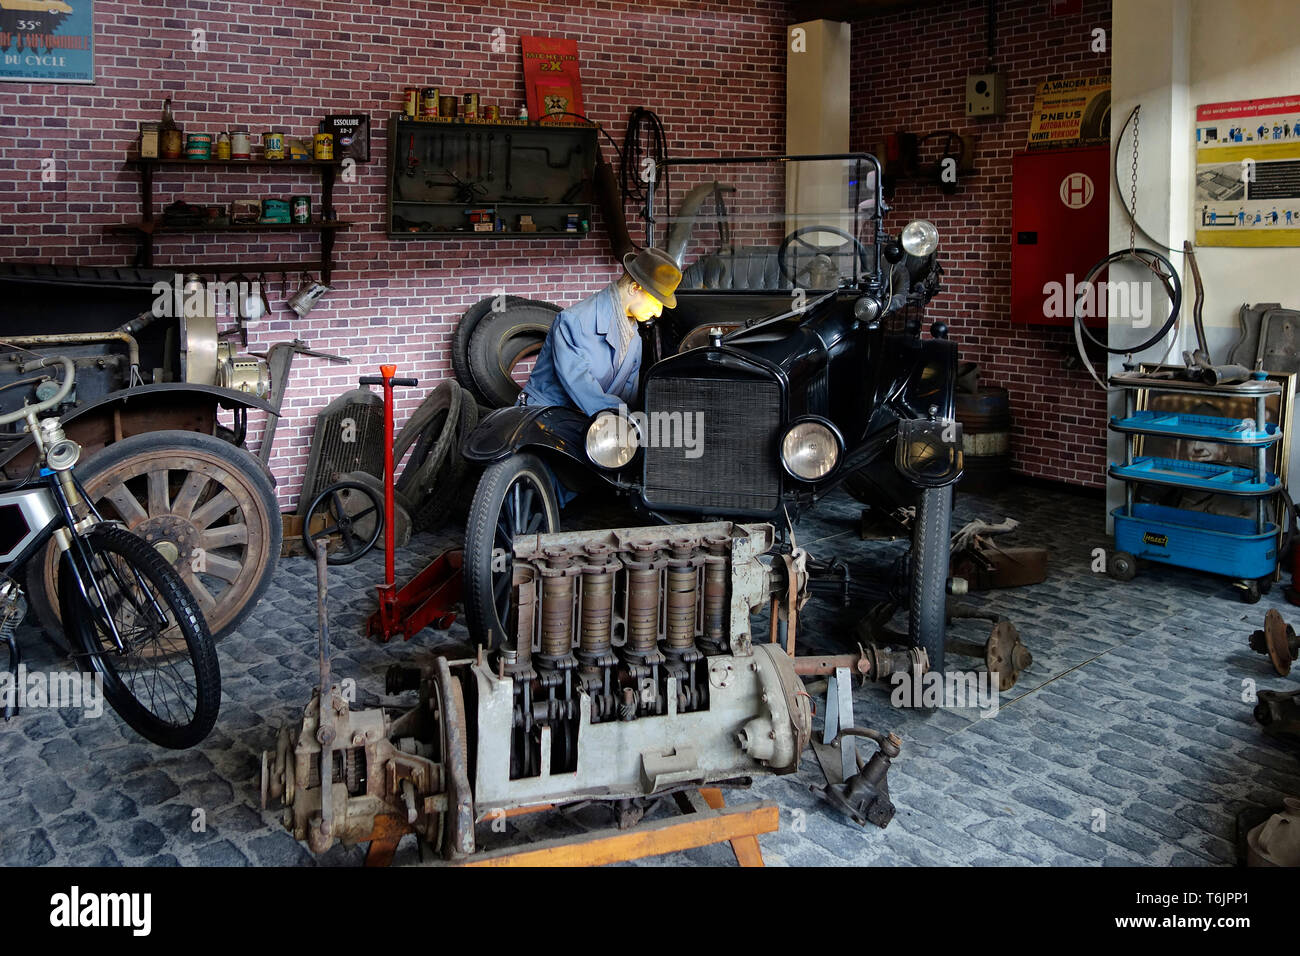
(705, 820)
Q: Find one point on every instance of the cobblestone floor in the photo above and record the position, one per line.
(1131, 716)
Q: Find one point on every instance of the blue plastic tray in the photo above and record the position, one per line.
(1219, 544)
(1196, 475)
(1229, 431)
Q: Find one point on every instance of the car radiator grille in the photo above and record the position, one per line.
(738, 467)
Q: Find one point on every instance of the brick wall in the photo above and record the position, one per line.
(714, 71)
(909, 73)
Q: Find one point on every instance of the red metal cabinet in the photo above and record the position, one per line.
(1059, 229)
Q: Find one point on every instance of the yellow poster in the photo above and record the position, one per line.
(1248, 173)
(1071, 113)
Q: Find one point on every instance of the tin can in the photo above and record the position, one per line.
(223, 145)
(429, 102)
(447, 106)
(469, 106)
(273, 144)
(241, 146)
(149, 136)
(198, 146)
(411, 101)
(300, 207)
(323, 147)
(171, 144)
(492, 114)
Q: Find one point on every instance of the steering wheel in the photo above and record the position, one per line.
(820, 260)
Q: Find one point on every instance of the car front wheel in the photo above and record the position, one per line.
(514, 497)
(927, 608)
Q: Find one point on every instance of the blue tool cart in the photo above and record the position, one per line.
(1244, 549)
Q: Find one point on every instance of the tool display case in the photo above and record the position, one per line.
(445, 178)
(1245, 549)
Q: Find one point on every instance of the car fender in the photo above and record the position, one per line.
(92, 424)
(517, 428)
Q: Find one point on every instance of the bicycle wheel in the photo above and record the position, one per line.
(165, 681)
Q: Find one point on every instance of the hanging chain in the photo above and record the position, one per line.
(1133, 192)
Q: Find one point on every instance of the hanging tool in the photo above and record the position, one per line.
(469, 145)
(509, 155)
(479, 158)
(411, 161)
(489, 154)
(279, 358)
(574, 150)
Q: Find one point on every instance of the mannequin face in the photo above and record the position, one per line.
(641, 305)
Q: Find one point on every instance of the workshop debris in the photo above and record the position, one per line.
(985, 565)
(1276, 841)
(1278, 640)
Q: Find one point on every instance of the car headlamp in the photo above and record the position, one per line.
(810, 449)
(612, 439)
(920, 238)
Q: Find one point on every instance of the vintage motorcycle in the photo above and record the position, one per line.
(795, 348)
(128, 616)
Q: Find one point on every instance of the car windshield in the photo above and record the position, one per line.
(767, 225)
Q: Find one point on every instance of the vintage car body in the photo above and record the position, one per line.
(773, 375)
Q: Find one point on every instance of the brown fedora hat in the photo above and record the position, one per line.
(655, 271)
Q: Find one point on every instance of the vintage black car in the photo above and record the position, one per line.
(793, 362)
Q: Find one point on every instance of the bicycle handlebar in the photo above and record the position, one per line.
(69, 376)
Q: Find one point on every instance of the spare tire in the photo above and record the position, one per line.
(447, 482)
(500, 342)
(460, 342)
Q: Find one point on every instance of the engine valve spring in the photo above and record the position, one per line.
(642, 611)
(715, 594)
(679, 630)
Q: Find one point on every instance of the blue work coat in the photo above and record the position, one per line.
(578, 365)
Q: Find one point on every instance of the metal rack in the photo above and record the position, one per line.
(1241, 548)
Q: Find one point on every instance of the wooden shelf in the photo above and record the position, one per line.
(147, 228)
(248, 163)
(156, 228)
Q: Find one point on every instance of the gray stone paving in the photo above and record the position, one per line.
(1131, 715)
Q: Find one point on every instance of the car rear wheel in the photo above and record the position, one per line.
(927, 605)
(514, 497)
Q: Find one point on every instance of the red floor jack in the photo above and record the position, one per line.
(431, 594)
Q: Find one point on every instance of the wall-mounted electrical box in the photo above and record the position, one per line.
(986, 94)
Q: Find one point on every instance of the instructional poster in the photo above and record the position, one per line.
(1248, 173)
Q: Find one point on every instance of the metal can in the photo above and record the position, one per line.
(241, 146)
(324, 146)
(429, 102)
(469, 106)
(198, 146)
(411, 101)
(447, 106)
(222, 149)
(492, 114)
(300, 207)
(273, 144)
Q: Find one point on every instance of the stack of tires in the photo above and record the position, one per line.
(494, 341)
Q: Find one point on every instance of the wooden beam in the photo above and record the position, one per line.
(651, 839)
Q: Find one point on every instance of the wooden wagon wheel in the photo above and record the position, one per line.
(202, 503)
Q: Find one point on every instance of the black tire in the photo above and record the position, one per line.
(425, 434)
(1122, 566)
(1249, 592)
(465, 329)
(229, 470)
(493, 526)
(447, 498)
(499, 342)
(179, 658)
(354, 512)
(927, 603)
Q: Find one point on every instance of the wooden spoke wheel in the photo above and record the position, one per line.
(203, 504)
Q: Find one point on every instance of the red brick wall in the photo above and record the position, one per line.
(714, 71)
(909, 73)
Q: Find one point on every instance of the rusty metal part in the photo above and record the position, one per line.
(716, 573)
(1279, 713)
(325, 726)
(683, 578)
(455, 753)
(80, 338)
(596, 634)
(642, 602)
(865, 795)
(1004, 654)
(871, 662)
(559, 575)
(1278, 640)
